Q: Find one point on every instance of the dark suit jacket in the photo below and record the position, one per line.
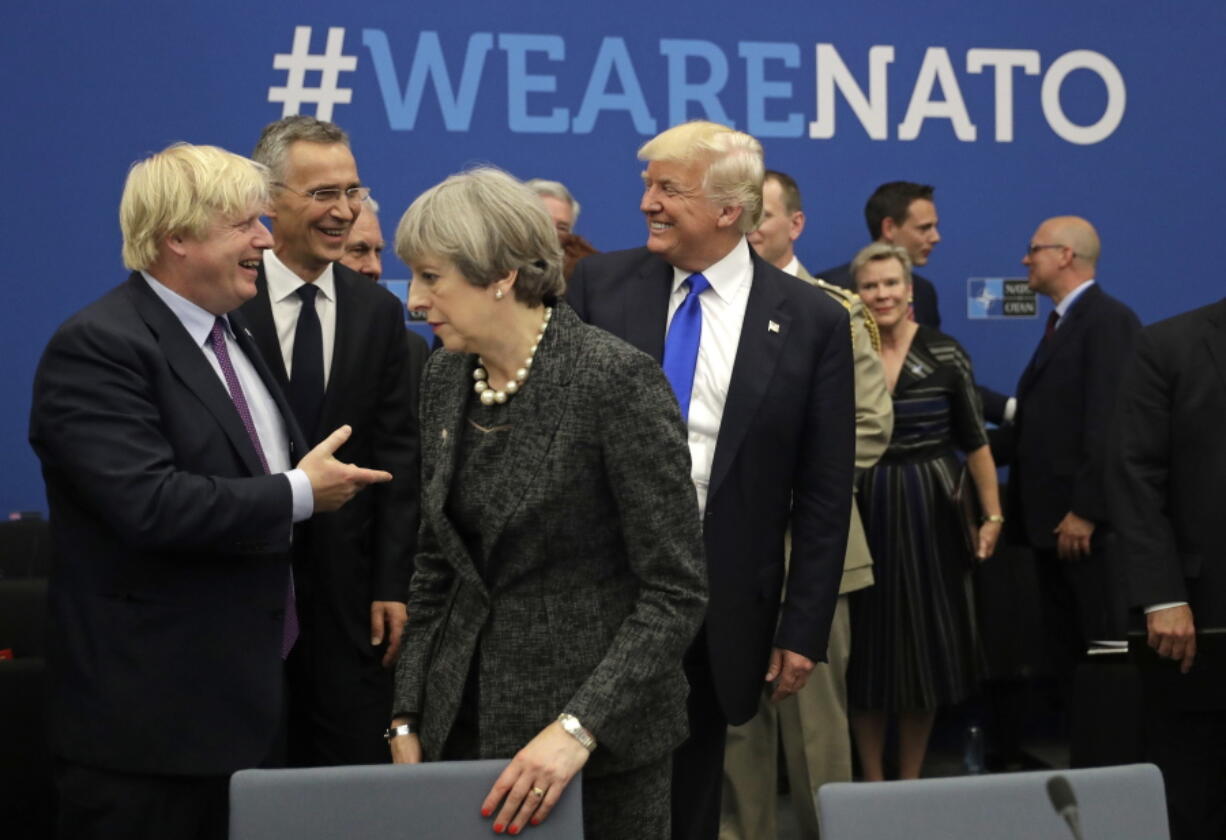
(1066, 397)
(593, 582)
(364, 551)
(926, 310)
(1167, 466)
(785, 454)
(171, 546)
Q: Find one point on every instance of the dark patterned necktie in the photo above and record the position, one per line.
(1052, 318)
(306, 382)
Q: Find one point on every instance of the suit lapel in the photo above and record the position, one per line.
(346, 348)
(193, 369)
(1068, 326)
(534, 415)
(757, 354)
(258, 313)
(298, 444)
(444, 425)
(1216, 340)
(646, 307)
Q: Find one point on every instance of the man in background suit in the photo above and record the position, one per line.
(902, 213)
(762, 366)
(564, 209)
(1166, 484)
(1057, 498)
(812, 723)
(338, 344)
(166, 448)
(364, 248)
(364, 254)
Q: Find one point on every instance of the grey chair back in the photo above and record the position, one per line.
(432, 801)
(1115, 803)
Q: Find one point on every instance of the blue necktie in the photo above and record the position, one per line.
(681, 343)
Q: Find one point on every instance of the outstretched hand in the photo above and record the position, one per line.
(333, 483)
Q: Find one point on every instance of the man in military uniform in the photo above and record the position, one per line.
(813, 722)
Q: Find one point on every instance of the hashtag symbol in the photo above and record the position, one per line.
(300, 60)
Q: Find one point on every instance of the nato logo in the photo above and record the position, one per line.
(1000, 297)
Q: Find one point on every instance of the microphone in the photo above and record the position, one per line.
(1060, 792)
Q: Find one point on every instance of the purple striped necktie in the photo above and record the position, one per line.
(217, 340)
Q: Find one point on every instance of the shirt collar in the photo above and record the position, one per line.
(197, 320)
(1072, 296)
(725, 276)
(793, 268)
(283, 282)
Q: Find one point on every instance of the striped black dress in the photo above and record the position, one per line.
(913, 642)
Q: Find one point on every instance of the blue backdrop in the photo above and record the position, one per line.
(1015, 111)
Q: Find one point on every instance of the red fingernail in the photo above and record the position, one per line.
(498, 828)
(485, 812)
(535, 821)
(514, 829)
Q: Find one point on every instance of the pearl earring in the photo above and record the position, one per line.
(497, 294)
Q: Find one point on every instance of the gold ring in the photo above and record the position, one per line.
(537, 792)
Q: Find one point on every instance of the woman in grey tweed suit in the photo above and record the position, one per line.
(559, 575)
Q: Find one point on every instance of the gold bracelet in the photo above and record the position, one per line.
(996, 517)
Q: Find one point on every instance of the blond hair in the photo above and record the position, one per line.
(183, 189)
(487, 224)
(735, 167)
(881, 251)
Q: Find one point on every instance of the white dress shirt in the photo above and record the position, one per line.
(269, 424)
(283, 286)
(1063, 306)
(723, 312)
(793, 267)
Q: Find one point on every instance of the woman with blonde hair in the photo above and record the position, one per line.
(913, 643)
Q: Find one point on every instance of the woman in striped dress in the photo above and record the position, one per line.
(913, 645)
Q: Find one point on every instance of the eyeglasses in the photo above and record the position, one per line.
(1031, 250)
(354, 195)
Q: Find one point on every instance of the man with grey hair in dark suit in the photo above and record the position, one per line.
(338, 345)
(762, 368)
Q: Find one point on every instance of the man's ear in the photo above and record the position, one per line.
(798, 225)
(889, 229)
(729, 215)
(176, 243)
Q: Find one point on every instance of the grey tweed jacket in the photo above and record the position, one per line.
(595, 578)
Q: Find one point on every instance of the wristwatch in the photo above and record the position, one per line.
(397, 731)
(576, 730)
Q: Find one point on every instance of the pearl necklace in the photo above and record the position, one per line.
(486, 391)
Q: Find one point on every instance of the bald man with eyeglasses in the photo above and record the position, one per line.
(1065, 400)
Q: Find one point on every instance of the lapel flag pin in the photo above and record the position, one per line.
(771, 326)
